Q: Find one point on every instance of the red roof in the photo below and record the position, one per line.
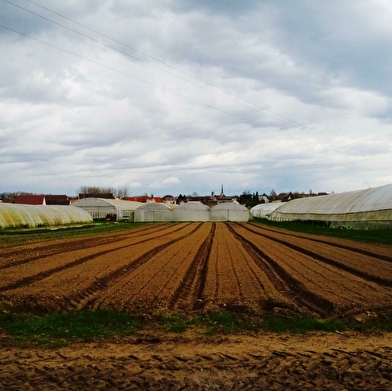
(30, 199)
(145, 199)
(42, 199)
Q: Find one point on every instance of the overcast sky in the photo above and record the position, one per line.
(180, 96)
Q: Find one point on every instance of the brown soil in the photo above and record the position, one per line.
(190, 268)
(153, 361)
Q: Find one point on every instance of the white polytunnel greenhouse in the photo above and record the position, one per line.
(101, 208)
(362, 209)
(32, 216)
(264, 210)
(229, 211)
(153, 211)
(191, 211)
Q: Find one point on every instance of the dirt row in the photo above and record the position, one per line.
(198, 266)
(314, 280)
(188, 267)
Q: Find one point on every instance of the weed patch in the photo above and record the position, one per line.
(62, 328)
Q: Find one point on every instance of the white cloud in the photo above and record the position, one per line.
(254, 97)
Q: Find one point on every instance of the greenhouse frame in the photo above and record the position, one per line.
(100, 208)
(264, 210)
(33, 216)
(362, 209)
(153, 211)
(191, 211)
(229, 211)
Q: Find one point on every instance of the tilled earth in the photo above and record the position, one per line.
(193, 268)
(153, 361)
(188, 267)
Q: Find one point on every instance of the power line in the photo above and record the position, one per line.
(130, 76)
(254, 107)
(259, 109)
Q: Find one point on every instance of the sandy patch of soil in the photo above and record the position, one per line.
(155, 361)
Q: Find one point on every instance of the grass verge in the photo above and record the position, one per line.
(63, 329)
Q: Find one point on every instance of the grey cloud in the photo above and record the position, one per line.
(307, 85)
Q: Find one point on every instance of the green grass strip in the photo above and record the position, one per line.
(62, 328)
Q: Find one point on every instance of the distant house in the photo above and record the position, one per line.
(52, 199)
(42, 199)
(145, 199)
(169, 199)
(107, 196)
(30, 199)
(7, 200)
(264, 199)
(209, 200)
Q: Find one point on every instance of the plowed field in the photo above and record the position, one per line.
(188, 268)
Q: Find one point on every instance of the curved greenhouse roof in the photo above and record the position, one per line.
(191, 211)
(229, 211)
(362, 209)
(99, 208)
(30, 216)
(153, 211)
(265, 210)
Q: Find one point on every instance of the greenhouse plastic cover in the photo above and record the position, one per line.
(153, 211)
(20, 215)
(361, 209)
(264, 210)
(191, 211)
(100, 207)
(229, 211)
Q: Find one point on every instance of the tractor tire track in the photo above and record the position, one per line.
(189, 293)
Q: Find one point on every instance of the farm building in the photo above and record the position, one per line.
(100, 208)
(153, 211)
(191, 211)
(42, 199)
(31, 216)
(362, 209)
(264, 210)
(229, 211)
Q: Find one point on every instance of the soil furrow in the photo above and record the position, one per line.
(336, 290)
(186, 267)
(376, 251)
(150, 288)
(289, 287)
(23, 281)
(25, 255)
(103, 283)
(304, 247)
(189, 293)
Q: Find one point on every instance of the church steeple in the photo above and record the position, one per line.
(222, 194)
